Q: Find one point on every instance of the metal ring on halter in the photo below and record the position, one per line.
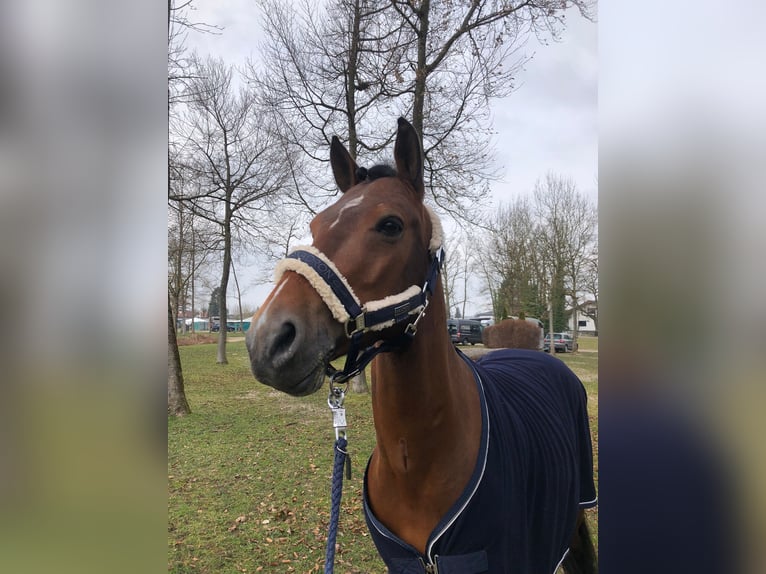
(412, 328)
(341, 377)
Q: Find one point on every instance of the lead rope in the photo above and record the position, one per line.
(335, 401)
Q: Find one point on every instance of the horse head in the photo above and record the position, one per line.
(375, 240)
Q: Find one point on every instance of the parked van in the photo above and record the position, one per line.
(464, 331)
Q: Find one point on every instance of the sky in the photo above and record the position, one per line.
(549, 123)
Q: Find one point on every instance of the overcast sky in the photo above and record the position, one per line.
(548, 124)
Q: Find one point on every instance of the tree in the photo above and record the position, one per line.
(449, 273)
(461, 55)
(456, 273)
(348, 67)
(537, 252)
(236, 160)
(178, 24)
(190, 246)
(512, 263)
(568, 221)
(310, 76)
(214, 307)
(177, 403)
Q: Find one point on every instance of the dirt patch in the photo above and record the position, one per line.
(205, 339)
(287, 404)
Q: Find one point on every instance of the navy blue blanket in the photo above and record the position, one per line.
(533, 474)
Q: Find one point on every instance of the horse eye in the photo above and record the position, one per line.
(390, 226)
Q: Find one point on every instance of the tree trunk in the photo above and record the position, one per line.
(177, 403)
(575, 316)
(359, 383)
(223, 311)
(447, 290)
(421, 72)
(353, 55)
(239, 299)
(550, 319)
(194, 314)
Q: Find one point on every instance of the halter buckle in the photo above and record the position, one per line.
(358, 324)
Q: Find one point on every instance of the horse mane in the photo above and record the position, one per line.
(375, 172)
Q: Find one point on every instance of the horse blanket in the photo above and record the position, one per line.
(534, 473)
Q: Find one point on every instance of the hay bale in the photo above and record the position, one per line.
(512, 334)
(475, 353)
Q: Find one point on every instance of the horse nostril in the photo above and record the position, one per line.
(283, 339)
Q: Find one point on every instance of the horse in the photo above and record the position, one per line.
(478, 466)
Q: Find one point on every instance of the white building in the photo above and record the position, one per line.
(585, 323)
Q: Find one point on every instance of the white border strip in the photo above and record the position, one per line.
(478, 482)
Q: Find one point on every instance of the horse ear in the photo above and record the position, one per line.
(343, 165)
(408, 154)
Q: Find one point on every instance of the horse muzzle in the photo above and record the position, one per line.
(289, 353)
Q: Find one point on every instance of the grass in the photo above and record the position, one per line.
(588, 343)
(249, 472)
(585, 365)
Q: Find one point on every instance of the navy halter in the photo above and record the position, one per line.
(363, 318)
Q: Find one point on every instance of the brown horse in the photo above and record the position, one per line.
(432, 413)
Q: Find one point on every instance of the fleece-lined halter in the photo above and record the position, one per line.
(360, 318)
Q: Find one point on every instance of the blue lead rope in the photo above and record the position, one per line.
(341, 459)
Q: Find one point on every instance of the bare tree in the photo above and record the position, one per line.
(568, 220)
(540, 252)
(578, 257)
(456, 273)
(550, 199)
(485, 268)
(449, 275)
(320, 72)
(234, 156)
(190, 247)
(467, 260)
(462, 54)
(346, 68)
(512, 262)
(178, 26)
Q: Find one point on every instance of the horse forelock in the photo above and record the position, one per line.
(375, 172)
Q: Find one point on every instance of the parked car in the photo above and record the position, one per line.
(215, 328)
(464, 331)
(563, 342)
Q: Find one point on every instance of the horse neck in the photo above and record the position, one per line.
(424, 398)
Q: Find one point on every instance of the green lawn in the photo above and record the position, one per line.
(587, 343)
(249, 472)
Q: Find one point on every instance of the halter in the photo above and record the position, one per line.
(358, 318)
